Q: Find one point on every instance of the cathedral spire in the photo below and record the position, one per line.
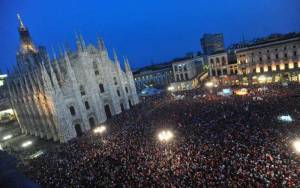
(82, 42)
(101, 44)
(61, 54)
(26, 41)
(54, 78)
(56, 65)
(117, 63)
(127, 65)
(32, 84)
(26, 85)
(53, 53)
(46, 78)
(20, 21)
(115, 56)
(78, 43)
(68, 64)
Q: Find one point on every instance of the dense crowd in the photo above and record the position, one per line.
(219, 141)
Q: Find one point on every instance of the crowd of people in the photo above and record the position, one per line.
(219, 141)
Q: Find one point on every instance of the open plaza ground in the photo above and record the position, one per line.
(198, 139)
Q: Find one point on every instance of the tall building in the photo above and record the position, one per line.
(212, 43)
(62, 98)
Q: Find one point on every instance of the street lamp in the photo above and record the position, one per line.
(171, 88)
(100, 130)
(165, 136)
(209, 84)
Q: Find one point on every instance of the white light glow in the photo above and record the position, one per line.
(171, 88)
(100, 129)
(296, 145)
(165, 136)
(3, 75)
(209, 84)
(37, 154)
(8, 111)
(26, 144)
(7, 137)
(285, 118)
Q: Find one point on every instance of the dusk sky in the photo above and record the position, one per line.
(145, 31)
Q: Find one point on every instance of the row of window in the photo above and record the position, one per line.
(285, 55)
(182, 77)
(220, 72)
(223, 60)
(268, 51)
(277, 68)
(101, 87)
(153, 77)
(72, 109)
(160, 74)
(180, 67)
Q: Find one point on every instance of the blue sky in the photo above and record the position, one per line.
(146, 31)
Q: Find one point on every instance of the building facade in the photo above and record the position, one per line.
(212, 43)
(157, 76)
(275, 59)
(188, 72)
(60, 99)
(187, 68)
(222, 67)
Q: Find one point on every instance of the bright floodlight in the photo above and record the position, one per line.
(297, 146)
(209, 84)
(26, 144)
(165, 135)
(171, 88)
(100, 129)
(7, 137)
(285, 118)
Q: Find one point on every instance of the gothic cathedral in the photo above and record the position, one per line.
(61, 98)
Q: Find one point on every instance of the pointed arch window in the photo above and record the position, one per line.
(87, 105)
(115, 81)
(95, 66)
(101, 87)
(72, 110)
(118, 92)
(82, 91)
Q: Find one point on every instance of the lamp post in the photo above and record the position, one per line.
(296, 145)
(210, 85)
(100, 131)
(165, 137)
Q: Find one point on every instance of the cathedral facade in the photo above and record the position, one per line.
(61, 98)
